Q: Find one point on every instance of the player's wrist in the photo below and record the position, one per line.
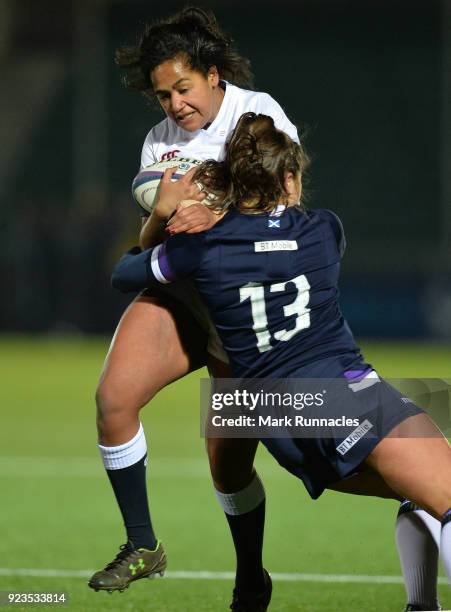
(162, 212)
(214, 217)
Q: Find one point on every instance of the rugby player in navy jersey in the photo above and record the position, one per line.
(268, 272)
(188, 64)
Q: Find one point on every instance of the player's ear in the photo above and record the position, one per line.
(288, 182)
(293, 187)
(213, 76)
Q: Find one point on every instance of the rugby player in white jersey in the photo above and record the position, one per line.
(189, 64)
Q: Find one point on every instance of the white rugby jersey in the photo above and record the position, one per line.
(167, 139)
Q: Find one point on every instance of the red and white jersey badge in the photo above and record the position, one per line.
(170, 154)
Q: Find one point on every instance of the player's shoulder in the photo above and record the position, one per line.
(245, 100)
(158, 132)
(255, 100)
(335, 224)
(326, 214)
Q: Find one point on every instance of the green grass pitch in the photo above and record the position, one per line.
(58, 511)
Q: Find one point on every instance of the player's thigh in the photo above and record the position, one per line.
(365, 482)
(155, 343)
(218, 368)
(231, 459)
(417, 465)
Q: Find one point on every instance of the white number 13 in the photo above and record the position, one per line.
(256, 293)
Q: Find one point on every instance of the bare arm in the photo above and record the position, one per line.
(152, 231)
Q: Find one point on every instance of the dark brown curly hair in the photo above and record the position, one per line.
(192, 33)
(251, 178)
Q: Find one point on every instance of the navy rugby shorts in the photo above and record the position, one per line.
(332, 455)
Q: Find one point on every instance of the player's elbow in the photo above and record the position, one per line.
(118, 281)
(120, 278)
(128, 274)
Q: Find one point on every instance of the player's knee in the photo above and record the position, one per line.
(226, 477)
(227, 482)
(113, 405)
(443, 502)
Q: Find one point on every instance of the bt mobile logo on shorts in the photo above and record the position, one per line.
(354, 437)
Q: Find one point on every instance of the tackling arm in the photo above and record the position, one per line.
(177, 258)
(131, 271)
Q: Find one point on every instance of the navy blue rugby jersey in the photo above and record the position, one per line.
(270, 282)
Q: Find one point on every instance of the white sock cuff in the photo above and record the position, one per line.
(243, 501)
(431, 523)
(124, 455)
(408, 509)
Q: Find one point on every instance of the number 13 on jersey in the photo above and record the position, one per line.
(256, 294)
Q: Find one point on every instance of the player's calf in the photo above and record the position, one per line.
(231, 462)
(245, 513)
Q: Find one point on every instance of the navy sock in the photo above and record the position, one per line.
(129, 486)
(247, 533)
(446, 518)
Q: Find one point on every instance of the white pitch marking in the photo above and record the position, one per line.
(92, 467)
(206, 575)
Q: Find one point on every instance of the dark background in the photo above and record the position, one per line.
(368, 82)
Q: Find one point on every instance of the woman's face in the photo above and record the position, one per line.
(186, 96)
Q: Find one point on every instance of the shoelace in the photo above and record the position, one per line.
(124, 551)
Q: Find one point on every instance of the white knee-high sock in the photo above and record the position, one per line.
(445, 543)
(417, 539)
(124, 455)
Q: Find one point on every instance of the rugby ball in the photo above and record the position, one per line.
(146, 182)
